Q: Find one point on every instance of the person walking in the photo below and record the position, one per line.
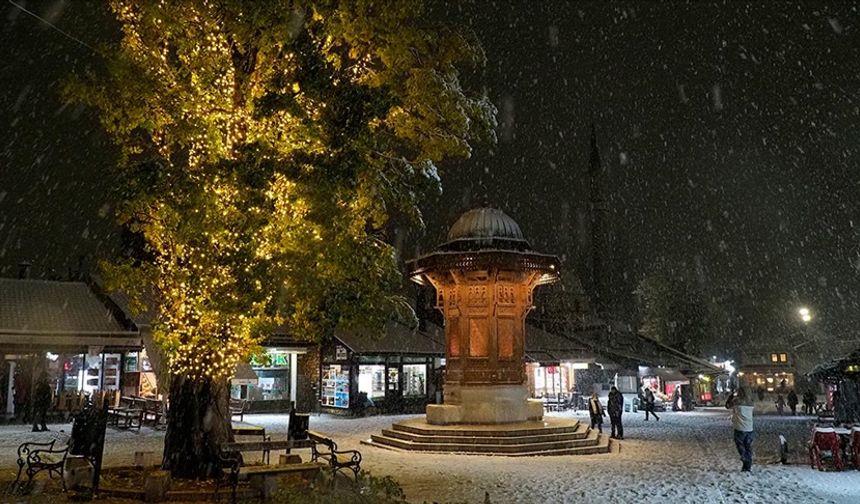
(595, 409)
(741, 405)
(780, 404)
(676, 399)
(792, 402)
(615, 405)
(42, 397)
(649, 404)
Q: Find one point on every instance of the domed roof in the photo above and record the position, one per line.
(486, 227)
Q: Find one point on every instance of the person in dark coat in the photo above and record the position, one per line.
(649, 404)
(809, 402)
(595, 409)
(42, 397)
(615, 406)
(676, 399)
(792, 402)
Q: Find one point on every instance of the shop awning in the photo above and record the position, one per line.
(244, 375)
(61, 317)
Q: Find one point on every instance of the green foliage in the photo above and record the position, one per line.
(264, 147)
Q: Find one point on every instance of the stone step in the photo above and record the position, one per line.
(465, 446)
(600, 444)
(445, 437)
(514, 430)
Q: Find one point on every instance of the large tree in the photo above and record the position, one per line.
(264, 146)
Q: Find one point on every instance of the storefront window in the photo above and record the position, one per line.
(414, 379)
(273, 376)
(73, 372)
(335, 382)
(393, 379)
(371, 381)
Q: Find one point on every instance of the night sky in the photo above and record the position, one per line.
(731, 134)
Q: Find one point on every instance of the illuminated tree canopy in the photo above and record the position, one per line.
(264, 146)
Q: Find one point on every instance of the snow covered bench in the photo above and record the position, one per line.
(38, 457)
(336, 459)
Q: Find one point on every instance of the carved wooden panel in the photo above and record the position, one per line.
(477, 295)
(505, 338)
(479, 341)
(452, 330)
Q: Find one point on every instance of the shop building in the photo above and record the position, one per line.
(770, 371)
(70, 329)
(398, 371)
(271, 381)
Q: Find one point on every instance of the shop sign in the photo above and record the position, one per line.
(340, 352)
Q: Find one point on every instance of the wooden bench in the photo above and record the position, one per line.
(246, 429)
(231, 458)
(130, 417)
(153, 410)
(38, 457)
(238, 407)
(336, 459)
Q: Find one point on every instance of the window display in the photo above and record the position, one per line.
(371, 381)
(335, 386)
(414, 379)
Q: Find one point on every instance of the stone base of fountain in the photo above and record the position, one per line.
(550, 436)
(484, 404)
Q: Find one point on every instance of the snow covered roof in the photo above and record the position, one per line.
(46, 312)
(396, 338)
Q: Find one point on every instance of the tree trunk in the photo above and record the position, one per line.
(198, 422)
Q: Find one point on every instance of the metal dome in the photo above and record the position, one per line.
(487, 227)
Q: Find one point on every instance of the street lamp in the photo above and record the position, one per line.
(805, 314)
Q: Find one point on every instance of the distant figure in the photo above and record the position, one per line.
(676, 399)
(595, 409)
(809, 402)
(740, 403)
(687, 398)
(41, 402)
(761, 393)
(780, 404)
(615, 405)
(649, 404)
(792, 402)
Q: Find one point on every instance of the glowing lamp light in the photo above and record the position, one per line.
(805, 314)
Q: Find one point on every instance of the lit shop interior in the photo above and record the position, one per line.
(268, 381)
(397, 373)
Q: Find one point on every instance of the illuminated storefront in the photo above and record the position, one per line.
(397, 372)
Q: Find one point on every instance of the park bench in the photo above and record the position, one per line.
(232, 460)
(336, 459)
(238, 407)
(85, 444)
(38, 457)
(127, 415)
(153, 411)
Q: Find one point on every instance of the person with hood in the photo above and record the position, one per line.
(741, 404)
(649, 404)
(792, 402)
(595, 409)
(615, 406)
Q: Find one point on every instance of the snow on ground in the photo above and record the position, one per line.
(685, 457)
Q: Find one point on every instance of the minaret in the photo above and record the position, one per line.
(599, 213)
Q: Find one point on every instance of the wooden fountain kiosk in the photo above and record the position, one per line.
(484, 276)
